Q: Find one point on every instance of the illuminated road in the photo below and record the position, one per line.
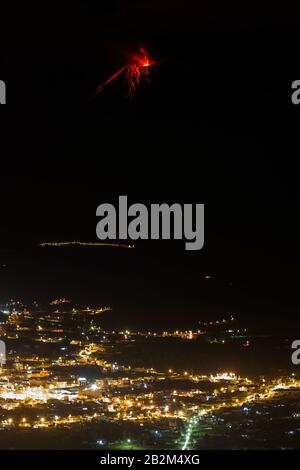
(268, 392)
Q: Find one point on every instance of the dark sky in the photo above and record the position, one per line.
(215, 125)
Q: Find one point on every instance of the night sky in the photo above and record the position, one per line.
(214, 126)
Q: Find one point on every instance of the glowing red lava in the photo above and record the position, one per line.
(137, 70)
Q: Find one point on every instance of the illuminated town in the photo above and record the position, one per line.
(70, 383)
